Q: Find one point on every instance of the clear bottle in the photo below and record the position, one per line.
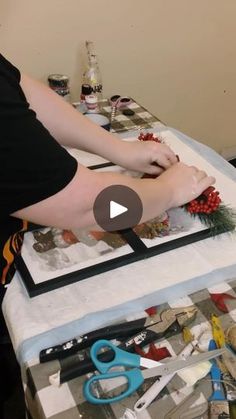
(92, 75)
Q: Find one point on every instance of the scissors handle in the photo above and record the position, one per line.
(134, 379)
(121, 358)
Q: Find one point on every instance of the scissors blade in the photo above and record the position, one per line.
(179, 364)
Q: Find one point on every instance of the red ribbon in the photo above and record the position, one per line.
(153, 353)
(218, 299)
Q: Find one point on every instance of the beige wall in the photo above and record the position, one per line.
(176, 57)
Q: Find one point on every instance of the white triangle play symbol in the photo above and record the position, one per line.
(116, 209)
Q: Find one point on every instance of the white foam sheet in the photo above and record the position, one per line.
(78, 308)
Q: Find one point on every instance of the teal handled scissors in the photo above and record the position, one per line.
(135, 376)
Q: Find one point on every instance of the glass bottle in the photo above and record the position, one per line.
(92, 75)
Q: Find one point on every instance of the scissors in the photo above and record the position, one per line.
(135, 376)
(137, 332)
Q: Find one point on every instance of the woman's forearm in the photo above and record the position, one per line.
(72, 207)
(67, 125)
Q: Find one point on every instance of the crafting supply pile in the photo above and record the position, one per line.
(124, 370)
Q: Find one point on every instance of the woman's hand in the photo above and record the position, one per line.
(184, 183)
(147, 157)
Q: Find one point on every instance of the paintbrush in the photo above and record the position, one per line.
(218, 404)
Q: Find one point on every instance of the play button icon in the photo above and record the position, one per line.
(117, 207)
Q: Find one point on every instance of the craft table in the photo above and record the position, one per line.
(67, 402)
(45, 401)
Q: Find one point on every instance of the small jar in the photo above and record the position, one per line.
(86, 90)
(91, 102)
(60, 84)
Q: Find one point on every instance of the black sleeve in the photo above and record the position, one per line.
(33, 166)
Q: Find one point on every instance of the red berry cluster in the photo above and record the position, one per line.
(207, 202)
(149, 136)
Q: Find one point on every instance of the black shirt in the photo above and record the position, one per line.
(33, 166)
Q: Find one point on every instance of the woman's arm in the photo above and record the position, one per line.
(72, 207)
(72, 129)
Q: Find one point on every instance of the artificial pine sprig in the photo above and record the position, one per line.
(221, 220)
(210, 210)
(208, 207)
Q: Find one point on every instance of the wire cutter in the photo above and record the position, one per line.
(170, 319)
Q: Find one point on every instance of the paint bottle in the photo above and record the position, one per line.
(86, 90)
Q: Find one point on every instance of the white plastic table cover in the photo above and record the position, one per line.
(62, 314)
